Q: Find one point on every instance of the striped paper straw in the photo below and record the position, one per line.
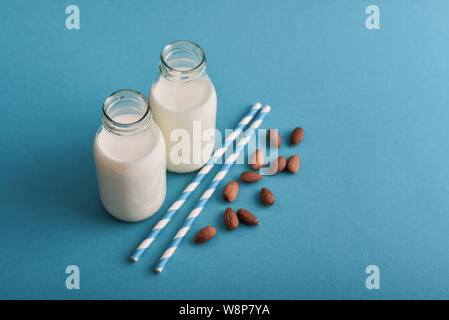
(210, 191)
(194, 184)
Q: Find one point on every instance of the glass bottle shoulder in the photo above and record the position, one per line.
(129, 149)
(181, 97)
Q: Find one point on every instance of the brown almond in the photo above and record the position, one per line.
(274, 137)
(205, 234)
(297, 136)
(247, 217)
(278, 165)
(230, 219)
(257, 159)
(231, 191)
(293, 164)
(266, 196)
(250, 176)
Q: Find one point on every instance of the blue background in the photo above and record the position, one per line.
(373, 185)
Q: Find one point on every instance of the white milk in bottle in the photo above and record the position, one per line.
(184, 104)
(129, 153)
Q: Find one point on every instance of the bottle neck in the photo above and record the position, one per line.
(182, 61)
(126, 112)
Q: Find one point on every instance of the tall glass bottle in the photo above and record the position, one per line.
(184, 104)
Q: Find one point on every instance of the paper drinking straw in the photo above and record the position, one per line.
(194, 184)
(210, 191)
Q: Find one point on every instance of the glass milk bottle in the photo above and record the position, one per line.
(129, 153)
(184, 104)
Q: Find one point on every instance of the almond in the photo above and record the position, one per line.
(205, 234)
(293, 163)
(257, 159)
(297, 136)
(250, 176)
(230, 219)
(266, 196)
(231, 191)
(247, 217)
(278, 165)
(274, 137)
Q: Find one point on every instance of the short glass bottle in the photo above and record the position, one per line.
(184, 104)
(129, 153)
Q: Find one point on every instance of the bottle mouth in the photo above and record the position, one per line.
(126, 112)
(182, 60)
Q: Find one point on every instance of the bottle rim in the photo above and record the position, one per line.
(121, 128)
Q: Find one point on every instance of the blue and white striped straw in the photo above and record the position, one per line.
(210, 190)
(194, 184)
